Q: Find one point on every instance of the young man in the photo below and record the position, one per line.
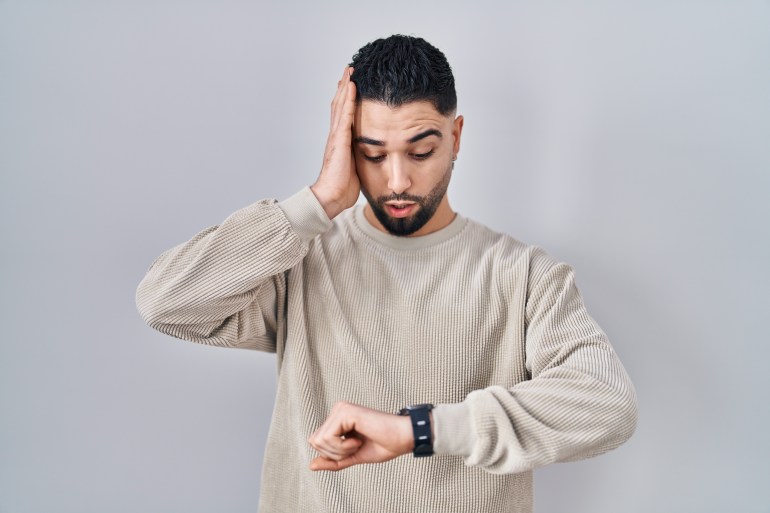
(401, 326)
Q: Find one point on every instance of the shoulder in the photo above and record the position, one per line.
(515, 264)
(506, 248)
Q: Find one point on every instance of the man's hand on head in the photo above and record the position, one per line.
(354, 434)
(337, 187)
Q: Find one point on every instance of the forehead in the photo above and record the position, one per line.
(378, 121)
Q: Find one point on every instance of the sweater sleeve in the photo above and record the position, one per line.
(225, 285)
(579, 401)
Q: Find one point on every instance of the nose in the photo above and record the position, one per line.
(398, 178)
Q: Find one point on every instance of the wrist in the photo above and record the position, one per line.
(305, 214)
(406, 435)
(330, 205)
(421, 420)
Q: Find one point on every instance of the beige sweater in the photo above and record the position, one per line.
(490, 330)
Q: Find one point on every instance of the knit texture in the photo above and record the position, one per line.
(492, 331)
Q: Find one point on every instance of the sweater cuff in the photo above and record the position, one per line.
(453, 429)
(305, 214)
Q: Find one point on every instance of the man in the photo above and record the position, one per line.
(399, 326)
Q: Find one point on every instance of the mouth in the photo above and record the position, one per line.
(400, 209)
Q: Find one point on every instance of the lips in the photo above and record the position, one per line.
(400, 209)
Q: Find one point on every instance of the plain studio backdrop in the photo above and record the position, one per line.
(629, 139)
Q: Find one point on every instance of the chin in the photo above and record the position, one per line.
(402, 226)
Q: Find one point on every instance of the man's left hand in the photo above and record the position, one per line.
(353, 434)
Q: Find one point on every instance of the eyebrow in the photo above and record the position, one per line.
(414, 139)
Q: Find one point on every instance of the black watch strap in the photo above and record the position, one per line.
(423, 438)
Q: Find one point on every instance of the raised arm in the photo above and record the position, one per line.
(226, 286)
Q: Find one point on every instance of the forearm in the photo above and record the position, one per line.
(563, 415)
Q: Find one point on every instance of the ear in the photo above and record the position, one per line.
(457, 130)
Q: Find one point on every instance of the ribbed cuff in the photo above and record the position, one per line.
(305, 214)
(453, 429)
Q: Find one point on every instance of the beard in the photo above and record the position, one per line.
(428, 204)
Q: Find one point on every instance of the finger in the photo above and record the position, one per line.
(342, 100)
(337, 448)
(350, 445)
(342, 133)
(336, 100)
(347, 448)
(348, 109)
(322, 463)
(337, 93)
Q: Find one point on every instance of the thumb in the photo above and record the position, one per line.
(321, 463)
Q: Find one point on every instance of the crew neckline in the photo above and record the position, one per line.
(409, 243)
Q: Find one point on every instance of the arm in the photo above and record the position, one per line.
(223, 286)
(579, 402)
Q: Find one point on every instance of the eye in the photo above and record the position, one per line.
(422, 156)
(378, 158)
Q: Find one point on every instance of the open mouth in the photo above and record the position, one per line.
(400, 209)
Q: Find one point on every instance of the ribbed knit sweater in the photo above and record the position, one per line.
(490, 330)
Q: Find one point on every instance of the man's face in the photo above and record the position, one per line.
(404, 161)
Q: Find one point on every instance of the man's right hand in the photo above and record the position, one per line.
(337, 187)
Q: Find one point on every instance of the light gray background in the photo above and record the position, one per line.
(630, 139)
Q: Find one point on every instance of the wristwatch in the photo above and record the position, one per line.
(423, 439)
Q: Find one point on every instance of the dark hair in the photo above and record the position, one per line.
(402, 69)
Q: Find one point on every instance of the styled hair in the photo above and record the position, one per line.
(402, 69)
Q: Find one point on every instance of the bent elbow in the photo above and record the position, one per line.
(619, 422)
(182, 326)
(626, 417)
(148, 301)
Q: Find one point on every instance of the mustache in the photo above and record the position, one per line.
(401, 197)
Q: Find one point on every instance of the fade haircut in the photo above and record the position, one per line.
(402, 69)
